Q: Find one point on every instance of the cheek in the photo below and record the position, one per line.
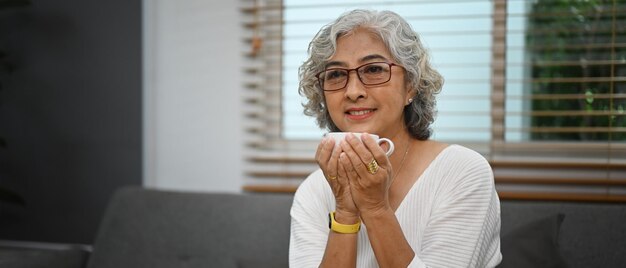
(331, 100)
(335, 114)
(401, 95)
(333, 104)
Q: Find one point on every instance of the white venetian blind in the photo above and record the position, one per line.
(458, 34)
(484, 51)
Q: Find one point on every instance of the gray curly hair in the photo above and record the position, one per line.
(405, 47)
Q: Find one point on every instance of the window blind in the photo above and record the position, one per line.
(491, 54)
(564, 120)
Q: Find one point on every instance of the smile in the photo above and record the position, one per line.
(361, 112)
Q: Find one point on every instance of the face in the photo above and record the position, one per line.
(374, 109)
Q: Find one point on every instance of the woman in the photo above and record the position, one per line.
(429, 204)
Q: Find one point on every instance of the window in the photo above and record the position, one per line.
(458, 34)
(571, 57)
(535, 86)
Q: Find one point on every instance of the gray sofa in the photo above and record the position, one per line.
(151, 228)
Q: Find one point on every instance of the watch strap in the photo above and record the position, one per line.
(342, 228)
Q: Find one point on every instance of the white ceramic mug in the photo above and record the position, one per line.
(339, 136)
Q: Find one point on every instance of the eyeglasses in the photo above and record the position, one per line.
(370, 74)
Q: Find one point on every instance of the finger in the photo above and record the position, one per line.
(319, 148)
(324, 151)
(331, 173)
(376, 150)
(351, 173)
(330, 168)
(331, 165)
(365, 153)
(356, 164)
(346, 201)
(323, 156)
(343, 174)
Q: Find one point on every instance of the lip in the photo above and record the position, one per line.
(361, 113)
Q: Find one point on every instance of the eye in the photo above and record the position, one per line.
(373, 69)
(334, 74)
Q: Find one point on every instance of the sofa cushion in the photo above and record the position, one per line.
(592, 234)
(534, 244)
(151, 228)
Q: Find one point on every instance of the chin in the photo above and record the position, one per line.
(361, 130)
(361, 127)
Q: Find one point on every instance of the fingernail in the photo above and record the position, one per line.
(332, 141)
(343, 143)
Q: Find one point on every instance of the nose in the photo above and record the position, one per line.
(355, 88)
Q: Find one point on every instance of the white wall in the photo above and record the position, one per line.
(193, 138)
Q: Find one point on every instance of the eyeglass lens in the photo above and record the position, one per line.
(369, 74)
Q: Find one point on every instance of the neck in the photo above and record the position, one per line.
(403, 143)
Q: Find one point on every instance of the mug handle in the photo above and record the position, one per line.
(391, 147)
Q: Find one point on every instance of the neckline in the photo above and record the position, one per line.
(420, 178)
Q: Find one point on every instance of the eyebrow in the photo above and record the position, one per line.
(362, 60)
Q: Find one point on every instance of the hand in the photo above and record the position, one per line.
(327, 157)
(369, 191)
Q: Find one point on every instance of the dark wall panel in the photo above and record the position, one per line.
(70, 113)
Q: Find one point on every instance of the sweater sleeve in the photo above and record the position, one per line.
(309, 222)
(463, 229)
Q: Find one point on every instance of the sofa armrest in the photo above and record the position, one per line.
(23, 254)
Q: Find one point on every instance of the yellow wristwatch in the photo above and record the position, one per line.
(342, 228)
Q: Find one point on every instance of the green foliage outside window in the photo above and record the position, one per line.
(578, 70)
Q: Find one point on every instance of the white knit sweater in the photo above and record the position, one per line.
(450, 217)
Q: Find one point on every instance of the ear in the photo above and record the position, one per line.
(411, 94)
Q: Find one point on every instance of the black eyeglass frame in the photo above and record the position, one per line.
(320, 80)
